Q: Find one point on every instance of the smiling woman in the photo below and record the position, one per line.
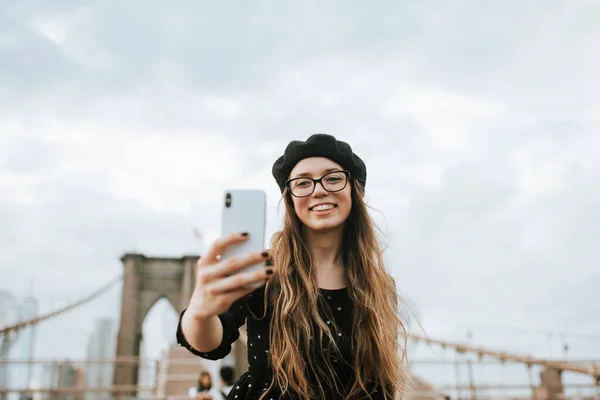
(326, 324)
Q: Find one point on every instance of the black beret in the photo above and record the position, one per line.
(318, 145)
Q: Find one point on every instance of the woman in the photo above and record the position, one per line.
(326, 324)
(204, 390)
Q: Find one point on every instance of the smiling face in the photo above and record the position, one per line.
(322, 210)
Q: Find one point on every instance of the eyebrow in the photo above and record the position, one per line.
(304, 174)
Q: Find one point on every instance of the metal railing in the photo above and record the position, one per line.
(58, 387)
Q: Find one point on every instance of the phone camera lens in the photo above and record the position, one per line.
(228, 200)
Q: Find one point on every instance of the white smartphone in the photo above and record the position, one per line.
(244, 210)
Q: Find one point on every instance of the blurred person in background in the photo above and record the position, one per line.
(204, 389)
(227, 381)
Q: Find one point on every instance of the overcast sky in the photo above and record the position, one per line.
(121, 124)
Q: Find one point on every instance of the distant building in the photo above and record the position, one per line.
(146, 372)
(23, 349)
(101, 346)
(66, 375)
(4, 376)
(10, 313)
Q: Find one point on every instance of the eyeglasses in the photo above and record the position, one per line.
(331, 182)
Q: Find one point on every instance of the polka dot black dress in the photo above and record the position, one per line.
(255, 382)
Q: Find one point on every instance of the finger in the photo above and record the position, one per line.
(221, 244)
(238, 281)
(234, 264)
(237, 294)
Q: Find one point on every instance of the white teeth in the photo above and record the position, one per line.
(323, 207)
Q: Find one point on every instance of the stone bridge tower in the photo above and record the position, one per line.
(145, 281)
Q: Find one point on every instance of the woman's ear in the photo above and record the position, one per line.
(360, 195)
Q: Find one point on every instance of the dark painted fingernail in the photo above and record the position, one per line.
(244, 233)
(265, 254)
(269, 262)
(269, 271)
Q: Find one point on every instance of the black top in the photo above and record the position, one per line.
(250, 309)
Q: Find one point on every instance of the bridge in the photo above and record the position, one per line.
(146, 280)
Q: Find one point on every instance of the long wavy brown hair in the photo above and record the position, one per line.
(379, 354)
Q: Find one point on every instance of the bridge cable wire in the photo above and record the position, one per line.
(34, 321)
(592, 370)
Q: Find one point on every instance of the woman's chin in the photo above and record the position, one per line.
(324, 226)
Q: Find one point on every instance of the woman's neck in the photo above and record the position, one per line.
(325, 249)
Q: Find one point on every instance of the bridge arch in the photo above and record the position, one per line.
(173, 300)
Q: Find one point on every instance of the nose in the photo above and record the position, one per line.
(320, 190)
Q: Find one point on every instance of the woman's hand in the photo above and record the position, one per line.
(219, 283)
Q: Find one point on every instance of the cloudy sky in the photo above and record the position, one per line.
(121, 124)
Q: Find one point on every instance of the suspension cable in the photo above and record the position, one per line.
(592, 370)
(69, 307)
